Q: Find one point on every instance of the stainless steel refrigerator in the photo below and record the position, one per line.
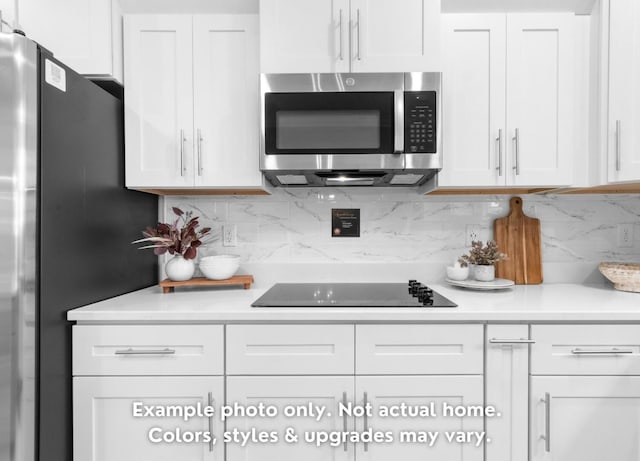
(66, 223)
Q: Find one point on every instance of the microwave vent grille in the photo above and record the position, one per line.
(406, 179)
(292, 179)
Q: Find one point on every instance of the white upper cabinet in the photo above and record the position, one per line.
(304, 36)
(84, 34)
(226, 103)
(158, 101)
(474, 74)
(540, 65)
(392, 36)
(508, 100)
(191, 105)
(624, 91)
(349, 36)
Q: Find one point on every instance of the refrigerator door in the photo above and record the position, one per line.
(18, 202)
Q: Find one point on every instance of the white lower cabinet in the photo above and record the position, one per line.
(585, 393)
(586, 418)
(507, 389)
(281, 391)
(106, 429)
(402, 437)
(369, 370)
(412, 441)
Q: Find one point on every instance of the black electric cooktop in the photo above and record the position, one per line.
(413, 294)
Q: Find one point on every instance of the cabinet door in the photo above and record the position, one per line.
(325, 391)
(507, 385)
(77, 32)
(392, 36)
(624, 90)
(304, 36)
(540, 98)
(586, 418)
(226, 102)
(474, 100)
(415, 391)
(105, 428)
(158, 101)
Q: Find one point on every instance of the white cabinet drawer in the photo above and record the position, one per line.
(585, 350)
(419, 349)
(148, 350)
(289, 349)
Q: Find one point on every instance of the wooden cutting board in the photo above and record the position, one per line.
(518, 236)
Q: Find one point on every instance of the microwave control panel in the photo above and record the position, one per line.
(420, 122)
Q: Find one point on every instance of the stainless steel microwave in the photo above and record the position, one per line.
(358, 129)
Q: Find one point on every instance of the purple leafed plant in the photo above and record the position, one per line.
(181, 237)
(483, 255)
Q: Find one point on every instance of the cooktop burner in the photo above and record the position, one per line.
(415, 294)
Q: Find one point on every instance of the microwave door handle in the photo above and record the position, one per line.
(398, 135)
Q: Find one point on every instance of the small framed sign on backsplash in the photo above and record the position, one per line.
(345, 222)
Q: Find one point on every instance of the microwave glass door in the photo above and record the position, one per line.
(329, 123)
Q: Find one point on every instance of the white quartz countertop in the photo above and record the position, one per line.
(524, 303)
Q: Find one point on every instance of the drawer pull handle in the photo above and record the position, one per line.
(131, 351)
(512, 341)
(613, 350)
(547, 422)
(344, 418)
(211, 402)
(618, 142)
(366, 445)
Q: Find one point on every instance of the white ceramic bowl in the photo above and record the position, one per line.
(219, 267)
(457, 273)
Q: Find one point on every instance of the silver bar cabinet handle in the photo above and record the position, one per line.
(358, 35)
(613, 350)
(182, 140)
(512, 341)
(131, 351)
(341, 41)
(344, 418)
(366, 445)
(516, 138)
(499, 141)
(199, 152)
(618, 133)
(211, 402)
(547, 422)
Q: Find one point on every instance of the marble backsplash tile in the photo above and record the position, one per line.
(398, 226)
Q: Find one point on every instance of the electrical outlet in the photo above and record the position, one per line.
(472, 233)
(229, 235)
(625, 235)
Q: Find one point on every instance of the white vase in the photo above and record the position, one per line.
(484, 273)
(179, 269)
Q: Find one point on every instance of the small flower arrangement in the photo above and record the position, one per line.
(482, 255)
(181, 237)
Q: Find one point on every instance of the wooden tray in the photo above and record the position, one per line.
(245, 280)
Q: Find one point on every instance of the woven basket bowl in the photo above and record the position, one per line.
(625, 276)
